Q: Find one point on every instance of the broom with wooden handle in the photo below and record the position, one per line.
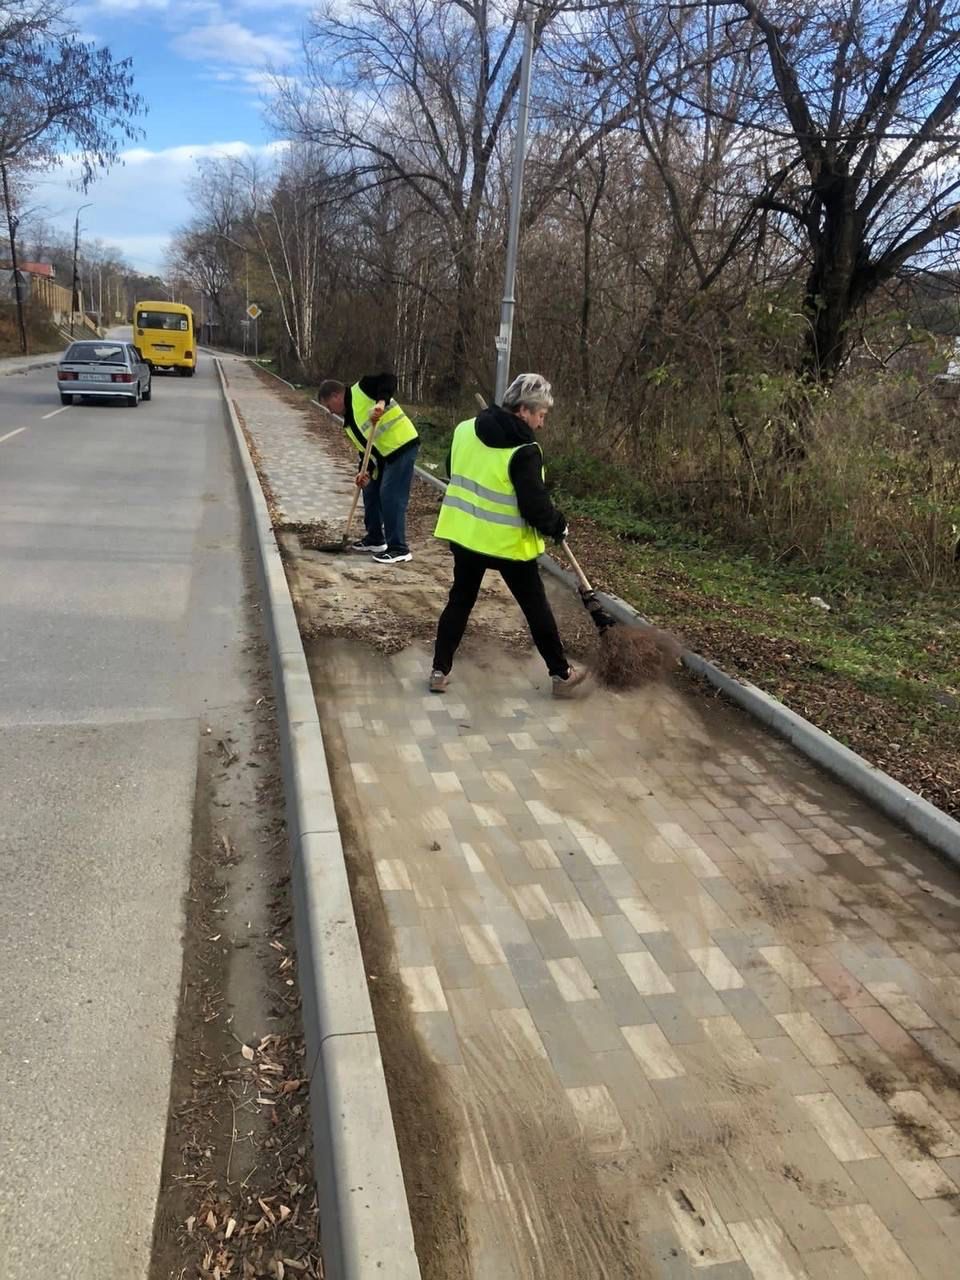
(335, 548)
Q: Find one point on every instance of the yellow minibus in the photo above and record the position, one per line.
(164, 336)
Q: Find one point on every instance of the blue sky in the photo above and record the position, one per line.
(203, 68)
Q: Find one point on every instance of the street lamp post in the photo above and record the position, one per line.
(508, 303)
(75, 299)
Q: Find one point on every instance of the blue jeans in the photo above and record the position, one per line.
(385, 501)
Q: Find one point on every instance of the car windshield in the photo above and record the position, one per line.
(96, 353)
(161, 320)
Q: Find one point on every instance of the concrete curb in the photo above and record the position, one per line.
(42, 362)
(885, 793)
(366, 1232)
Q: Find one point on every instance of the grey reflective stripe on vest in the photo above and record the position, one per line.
(493, 517)
(491, 495)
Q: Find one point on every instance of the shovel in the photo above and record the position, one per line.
(335, 548)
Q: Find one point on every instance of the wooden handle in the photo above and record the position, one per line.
(362, 472)
(480, 400)
(584, 580)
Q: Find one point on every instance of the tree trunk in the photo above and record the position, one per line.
(586, 306)
(12, 232)
(835, 285)
(451, 381)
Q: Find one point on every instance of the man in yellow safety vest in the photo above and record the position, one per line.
(495, 514)
(367, 405)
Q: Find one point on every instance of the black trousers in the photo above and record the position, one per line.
(524, 581)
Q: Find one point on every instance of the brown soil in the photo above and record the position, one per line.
(391, 606)
(237, 1196)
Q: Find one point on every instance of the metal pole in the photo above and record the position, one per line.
(504, 338)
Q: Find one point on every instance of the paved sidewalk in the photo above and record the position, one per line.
(696, 1007)
(23, 364)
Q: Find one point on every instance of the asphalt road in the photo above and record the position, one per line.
(121, 633)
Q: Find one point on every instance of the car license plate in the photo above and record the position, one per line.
(95, 377)
(162, 346)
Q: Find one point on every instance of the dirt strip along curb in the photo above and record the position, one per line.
(364, 1215)
(885, 793)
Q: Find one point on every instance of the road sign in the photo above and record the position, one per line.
(253, 311)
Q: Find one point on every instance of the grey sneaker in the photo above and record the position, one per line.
(438, 682)
(368, 548)
(563, 688)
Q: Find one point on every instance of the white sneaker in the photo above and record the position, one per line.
(392, 557)
(368, 548)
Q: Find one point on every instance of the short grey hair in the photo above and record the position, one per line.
(531, 389)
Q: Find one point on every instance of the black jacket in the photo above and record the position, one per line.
(378, 386)
(499, 429)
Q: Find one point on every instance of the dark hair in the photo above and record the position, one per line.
(329, 387)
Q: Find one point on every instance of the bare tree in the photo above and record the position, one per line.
(861, 101)
(56, 93)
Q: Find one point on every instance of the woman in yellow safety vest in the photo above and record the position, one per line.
(495, 514)
(366, 406)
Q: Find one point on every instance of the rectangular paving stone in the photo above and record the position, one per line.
(645, 974)
(790, 1068)
(668, 953)
(752, 1015)
(845, 1138)
(625, 1003)
(599, 958)
(674, 1019)
(598, 1027)
(553, 941)
(569, 1054)
(440, 1037)
(654, 1052)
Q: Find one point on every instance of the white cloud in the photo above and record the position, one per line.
(138, 205)
(233, 43)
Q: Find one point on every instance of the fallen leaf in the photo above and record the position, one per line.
(247, 1052)
(231, 1227)
(284, 1213)
(190, 1223)
(211, 1220)
(290, 1086)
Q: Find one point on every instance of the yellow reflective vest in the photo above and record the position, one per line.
(394, 429)
(480, 509)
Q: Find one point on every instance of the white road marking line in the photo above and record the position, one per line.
(55, 412)
(11, 434)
